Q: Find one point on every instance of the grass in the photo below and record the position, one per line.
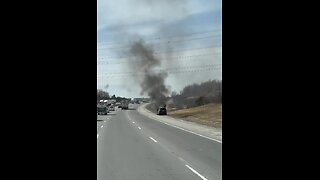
(209, 114)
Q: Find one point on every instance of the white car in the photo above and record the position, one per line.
(111, 108)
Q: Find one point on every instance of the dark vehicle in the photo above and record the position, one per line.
(162, 111)
(102, 109)
(125, 104)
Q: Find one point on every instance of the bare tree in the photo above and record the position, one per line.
(101, 95)
(199, 94)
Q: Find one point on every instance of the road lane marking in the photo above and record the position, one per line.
(133, 122)
(97, 136)
(154, 118)
(191, 132)
(102, 126)
(153, 139)
(139, 127)
(181, 159)
(194, 171)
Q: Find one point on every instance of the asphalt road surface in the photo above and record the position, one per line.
(131, 146)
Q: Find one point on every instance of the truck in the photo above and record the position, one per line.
(125, 104)
(102, 109)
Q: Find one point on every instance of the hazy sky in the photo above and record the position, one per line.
(184, 34)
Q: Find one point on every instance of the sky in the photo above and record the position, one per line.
(184, 34)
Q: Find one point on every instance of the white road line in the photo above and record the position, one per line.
(153, 139)
(133, 122)
(191, 132)
(179, 127)
(194, 171)
(97, 136)
(139, 127)
(102, 126)
(181, 159)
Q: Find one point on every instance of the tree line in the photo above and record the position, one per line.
(104, 95)
(198, 94)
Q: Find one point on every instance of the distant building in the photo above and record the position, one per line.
(112, 101)
(141, 99)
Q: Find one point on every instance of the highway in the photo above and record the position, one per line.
(131, 146)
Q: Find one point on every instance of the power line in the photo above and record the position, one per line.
(174, 68)
(185, 57)
(168, 37)
(172, 72)
(159, 52)
(126, 47)
(168, 70)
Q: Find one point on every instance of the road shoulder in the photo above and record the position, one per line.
(204, 131)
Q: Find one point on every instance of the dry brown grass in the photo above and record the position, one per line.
(210, 114)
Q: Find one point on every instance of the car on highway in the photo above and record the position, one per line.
(162, 111)
(102, 109)
(111, 108)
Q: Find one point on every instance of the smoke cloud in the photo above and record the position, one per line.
(150, 79)
(152, 82)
